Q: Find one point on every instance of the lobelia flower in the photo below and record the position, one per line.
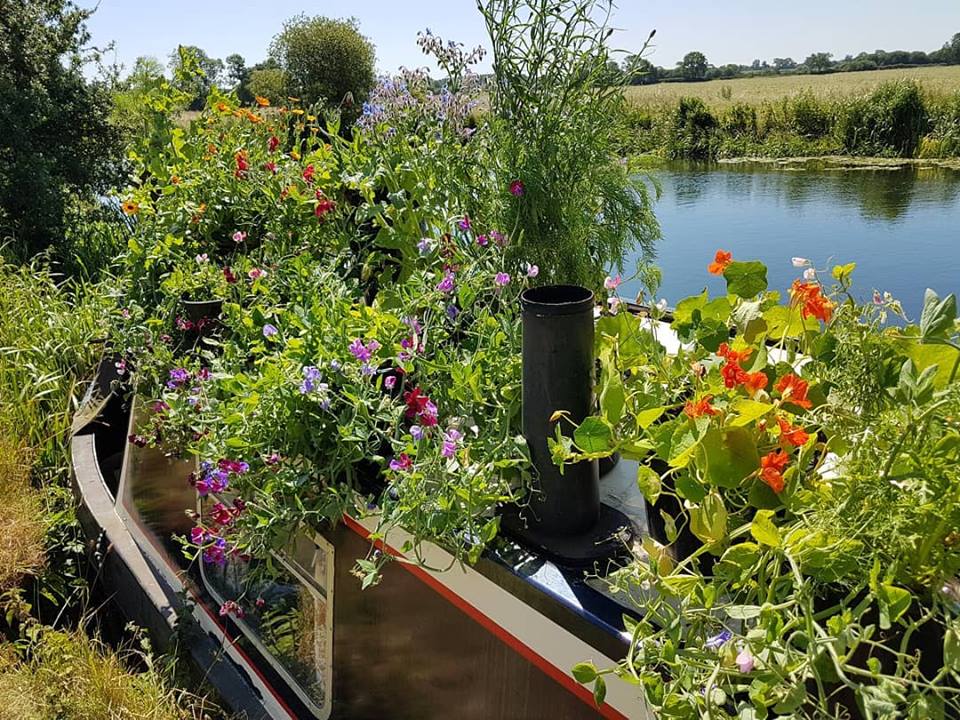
(269, 330)
(612, 283)
(402, 463)
(719, 640)
(745, 660)
(501, 279)
(799, 262)
(720, 262)
(450, 439)
(447, 284)
(516, 188)
(532, 270)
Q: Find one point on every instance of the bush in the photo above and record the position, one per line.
(692, 130)
(326, 60)
(944, 138)
(270, 83)
(889, 121)
(55, 134)
(741, 119)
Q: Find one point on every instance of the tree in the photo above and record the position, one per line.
(198, 85)
(951, 50)
(239, 75)
(268, 82)
(641, 71)
(819, 62)
(326, 60)
(56, 139)
(693, 66)
(782, 64)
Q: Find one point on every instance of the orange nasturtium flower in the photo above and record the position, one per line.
(222, 107)
(794, 390)
(130, 207)
(812, 301)
(699, 408)
(792, 434)
(720, 262)
(772, 466)
(754, 381)
(262, 101)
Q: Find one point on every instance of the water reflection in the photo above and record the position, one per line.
(902, 227)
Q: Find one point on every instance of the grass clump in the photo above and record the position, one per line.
(22, 527)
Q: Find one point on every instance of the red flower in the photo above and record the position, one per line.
(772, 466)
(734, 356)
(271, 166)
(794, 390)
(308, 174)
(273, 143)
(720, 262)
(516, 188)
(811, 300)
(324, 205)
(229, 276)
(755, 381)
(700, 408)
(733, 375)
(242, 164)
(792, 434)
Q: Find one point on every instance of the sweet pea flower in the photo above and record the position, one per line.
(516, 188)
(269, 330)
(614, 303)
(402, 463)
(482, 240)
(202, 259)
(416, 432)
(464, 223)
(447, 284)
(363, 352)
(612, 283)
(452, 312)
(311, 376)
(256, 274)
(390, 382)
(425, 246)
(450, 439)
(239, 236)
(532, 270)
(719, 640)
(745, 660)
(498, 238)
(799, 262)
(810, 274)
(501, 279)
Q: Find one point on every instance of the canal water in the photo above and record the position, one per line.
(901, 227)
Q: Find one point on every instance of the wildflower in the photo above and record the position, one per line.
(390, 381)
(130, 207)
(719, 640)
(269, 330)
(324, 206)
(202, 259)
(799, 262)
(416, 432)
(772, 466)
(256, 273)
(311, 376)
(261, 101)
(363, 352)
(308, 173)
(401, 463)
(699, 408)
(720, 262)
(792, 434)
(450, 439)
(612, 283)
(532, 270)
(464, 223)
(745, 660)
(516, 188)
(794, 390)
(425, 246)
(447, 284)
(483, 240)
(811, 300)
(501, 279)
(242, 164)
(273, 143)
(229, 276)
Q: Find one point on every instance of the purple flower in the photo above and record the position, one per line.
(390, 381)
(464, 224)
(516, 188)
(402, 463)
(197, 535)
(311, 375)
(366, 369)
(425, 246)
(202, 259)
(717, 641)
(178, 376)
(532, 270)
(501, 279)
(498, 238)
(452, 312)
(269, 330)
(335, 365)
(239, 236)
(450, 439)
(414, 324)
(482, 240)
(362, 352)
(416, 432)
(447, 284)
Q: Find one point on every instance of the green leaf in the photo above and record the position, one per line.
(748, 411)
(648, 480)
(842, 273)
(727, 457)
(937, 316)
(708, 520)
(951, 649)
(743, 612)
(786, 321)
(612, 399)
(585, 672)
(593, 435)
(763, 529)
(599, 690)
(746, 279)
(646, 418)
(894, 602)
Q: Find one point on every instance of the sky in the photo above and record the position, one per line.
(726, 31)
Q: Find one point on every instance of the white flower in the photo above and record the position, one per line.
(662, 304)
(799, 262)
(809, 274)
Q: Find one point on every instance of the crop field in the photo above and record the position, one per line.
(723, 93)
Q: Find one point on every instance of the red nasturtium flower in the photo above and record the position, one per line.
(308, 174)
(734, 375)
(242, 164)
(699, 408)
(792, 434)
(734, 356)
(720, 262)
(772, 466)
(812, 301)
(794, 390)
(754, 381)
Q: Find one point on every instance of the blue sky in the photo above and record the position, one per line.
(726, 31)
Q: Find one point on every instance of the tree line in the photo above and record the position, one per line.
(694, 65)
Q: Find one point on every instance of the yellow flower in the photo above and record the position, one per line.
(297, 111)
(222, 107)
(130, 207)
(312, 118)
(262, 101)
(294, 154)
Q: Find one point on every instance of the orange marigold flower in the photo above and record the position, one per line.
(262, 101)
(772, 466)
(699, 408)
(812, 301)
(755, 381)
(794, 390)
(253, 117)
(222, 107)
(130, 207)
(720, 262)
(792, 434)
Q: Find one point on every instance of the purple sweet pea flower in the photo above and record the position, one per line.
(416, 432)
(717, 641)
(269, 330)
(452, 312)
(532, 270)
(311, 375)
(390, 381)
(450, 439)
(501, 279)
(178, 376)
(482, 240)
(447, 284)
(464, 224)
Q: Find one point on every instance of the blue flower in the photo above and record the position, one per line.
(717, 641)
(269, 330)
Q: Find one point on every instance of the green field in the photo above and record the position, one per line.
(755, 90)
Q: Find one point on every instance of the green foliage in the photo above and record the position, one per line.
(55, 135)
(555, 130)
(890, 121)
(326, 60)
(270, 83)
(195, 73)
(693, 66)
(691, 132)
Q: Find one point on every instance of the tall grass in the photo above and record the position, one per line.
(22, 523)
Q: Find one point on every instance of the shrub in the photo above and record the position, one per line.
(808, 115)
(270, 83)
(326, 60)
(944, 138)
(692, 131)
(741, 119)
(889, 121)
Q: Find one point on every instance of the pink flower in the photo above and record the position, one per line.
(532, 270)
(464, 224)
(272, 143)
(271, 166)
(239, 236)
(402, 463)
(446, 285)
(501, 279)
(450, 439)
(390, 382)
(516, 188)
(257, 273)
(482, 240)
(612, 283)
(308, 173)
(745, 660)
